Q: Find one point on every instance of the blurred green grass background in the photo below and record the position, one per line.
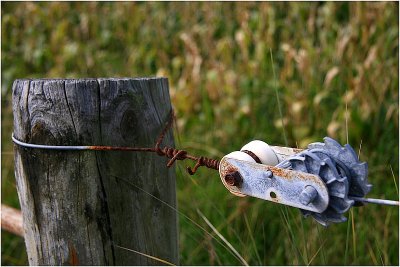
(329, 62)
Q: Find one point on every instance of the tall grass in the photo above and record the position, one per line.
(224, 87)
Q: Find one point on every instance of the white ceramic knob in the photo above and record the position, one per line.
(263, 151)
(240, 156)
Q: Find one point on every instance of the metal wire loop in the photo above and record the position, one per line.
(172, 153)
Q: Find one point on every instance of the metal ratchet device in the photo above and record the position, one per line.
(324, 181)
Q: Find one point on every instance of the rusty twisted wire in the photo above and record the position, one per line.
(172, 153)
(180, 154)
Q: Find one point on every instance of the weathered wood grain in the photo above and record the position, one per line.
(80, 206)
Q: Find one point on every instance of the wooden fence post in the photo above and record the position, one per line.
(81, 207)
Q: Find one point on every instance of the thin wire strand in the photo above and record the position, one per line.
(172, 153)
(376, 201)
